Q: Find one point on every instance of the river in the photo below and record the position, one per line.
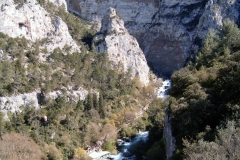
(126, 148)
(167, 130)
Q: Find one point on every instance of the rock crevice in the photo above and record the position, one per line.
(122, 48)
(169, 32)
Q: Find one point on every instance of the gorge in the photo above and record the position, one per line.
(168, 32)
(76, 75)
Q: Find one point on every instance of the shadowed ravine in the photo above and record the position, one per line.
(167, 131)
(125, 149)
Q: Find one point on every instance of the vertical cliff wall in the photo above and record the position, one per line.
(33, 22)
(122, 48)
(169, 32)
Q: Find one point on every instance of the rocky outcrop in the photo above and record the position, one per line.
(122, 48)
(167, 135)
(72, 94)
(59, 3)
(134, 11)
(61, 37)
(18, 102)
(13, 103)
(31, 21)
(169, 32)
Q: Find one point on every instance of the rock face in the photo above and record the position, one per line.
(61, 37)
(136, 11)
(169, 32)
(59, 3)
(170, 140)
(121, 47)
(31, 21)
(13, 103)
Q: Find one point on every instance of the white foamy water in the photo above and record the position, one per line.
(162, 90)
(141, 136)
(167, 131)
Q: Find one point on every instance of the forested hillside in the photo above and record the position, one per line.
(63, 128)
(205, 99)
(202, 106)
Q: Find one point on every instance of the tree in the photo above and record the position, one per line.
(101, 106)
(209, 49)
(230, 34)
(88, 102)
(80, 105)
(80, 154)
(1, 124)
(95, 101)
(181, 80)
(16, 146)
(225, 146)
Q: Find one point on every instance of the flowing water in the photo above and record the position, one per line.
(125, 148)
(167, 130)
(162, 91)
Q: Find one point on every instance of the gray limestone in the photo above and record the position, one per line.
(31, 21)
(122, 48)
(168, 31)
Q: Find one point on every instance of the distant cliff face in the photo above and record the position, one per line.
(33, 22)
(169, 32)
(122, 48)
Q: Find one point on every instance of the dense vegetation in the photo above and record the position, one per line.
(205, 100)
(62, 128)
(203, 103)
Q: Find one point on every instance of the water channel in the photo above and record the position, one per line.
(125, 149)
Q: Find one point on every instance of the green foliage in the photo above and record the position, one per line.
(219, 45)
(101, 106)
(157, 151)
(128, 131)
(226, 86)
(18, 1)
(156, 114)
(109, 146)
(181, 79)
(70, 124)
(77, 27)
(204, 95)
(41, 2)
(1, 124)
(225, 146)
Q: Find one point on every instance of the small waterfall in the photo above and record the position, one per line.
(163, 89)
(125, 149)
(167, 131)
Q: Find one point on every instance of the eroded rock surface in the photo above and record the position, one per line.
(33, 22)
(122, 48)
(18, 102)
(169, 32)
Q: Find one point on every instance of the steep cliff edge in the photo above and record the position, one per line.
(33, 22)
(122, 48)
(169, 32)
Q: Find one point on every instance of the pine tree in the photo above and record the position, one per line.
(1, 124)
(80, 105)
(89, 102)
(95, 101)
(101, 106)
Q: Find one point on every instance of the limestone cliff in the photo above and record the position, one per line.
(169, 32)
(122, 48)
(59, 3)
(15, 102)
(31, 21)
